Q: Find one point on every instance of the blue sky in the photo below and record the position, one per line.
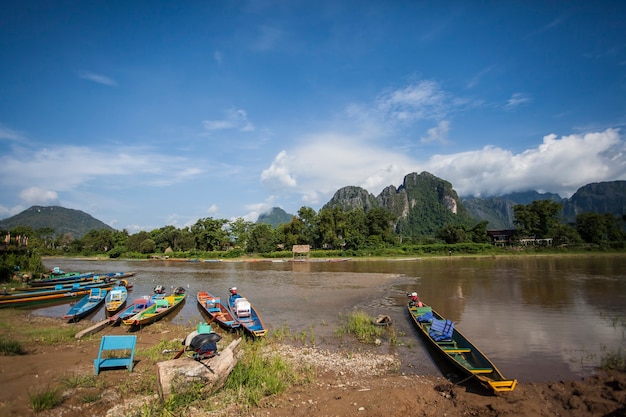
(153, 113)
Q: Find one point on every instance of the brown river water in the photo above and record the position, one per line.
(536, 318)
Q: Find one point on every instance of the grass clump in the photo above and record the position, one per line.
(10, 347)
(259, 374)
(45, 399)
(361, 325)
(80, 381)
(614, 360)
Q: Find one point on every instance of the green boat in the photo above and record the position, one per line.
(158, 310)
(459, 351)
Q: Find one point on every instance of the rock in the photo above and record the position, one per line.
(176, 374)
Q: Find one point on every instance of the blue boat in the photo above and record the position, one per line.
(245, 313)
(86, 305)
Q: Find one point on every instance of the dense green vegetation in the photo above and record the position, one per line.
(331, 232)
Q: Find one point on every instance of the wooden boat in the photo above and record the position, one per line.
(244, 312)
(115, 300)
(138, 305)
(60, 279)
(86, 305)
(217, 311)
(462, 353)
(59, 292)
(161, 307)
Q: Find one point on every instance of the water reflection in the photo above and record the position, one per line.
(537, 318)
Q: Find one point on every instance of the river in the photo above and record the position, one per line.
(537, 318)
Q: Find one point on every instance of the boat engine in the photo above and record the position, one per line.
(204, 345)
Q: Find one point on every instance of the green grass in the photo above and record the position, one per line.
(259, 374)
(10, 347)
(359, 324)
(51, 335)
(80, 381)
(614, 360)
(45, 399)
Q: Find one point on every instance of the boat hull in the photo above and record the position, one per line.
(87, 305)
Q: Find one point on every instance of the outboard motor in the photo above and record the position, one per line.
(159, 289)
(204, 345)
(179, 290)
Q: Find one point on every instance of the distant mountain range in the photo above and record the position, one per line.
(61, 220)
(423, 204)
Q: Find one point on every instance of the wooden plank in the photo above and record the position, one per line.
(93, 329)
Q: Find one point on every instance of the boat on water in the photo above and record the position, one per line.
(454, 346)
(161, 307)
(115, 300)
(62, 278)
(139, 304)
(244, 312)
(80, 278)
(217, 311)
(86, 305)
(59, 293)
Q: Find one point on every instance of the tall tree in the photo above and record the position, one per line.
(309, 233)
(380, 226)
(537, 219)
(262, 239)
(209, 234)
(240, 232)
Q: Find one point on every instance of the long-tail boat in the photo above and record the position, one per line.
(463, 354)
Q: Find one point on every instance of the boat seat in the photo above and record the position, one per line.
(424, 314)
(441, 330)
(456, 350)
(481, 370)
(125, 348)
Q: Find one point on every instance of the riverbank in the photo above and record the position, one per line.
(345, 382)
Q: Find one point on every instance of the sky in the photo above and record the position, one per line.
(145, 114)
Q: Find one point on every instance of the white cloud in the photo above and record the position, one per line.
(324, 163)
(97, 78)
(217, 55)
(517, 99)
(64, 168)
(278, 175)
(438, 133)
(560, 165)
(234, 119)
(10, 134)
(424, 100)
(213, 209)
(38, 196)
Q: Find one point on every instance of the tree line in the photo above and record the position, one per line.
(329, 229)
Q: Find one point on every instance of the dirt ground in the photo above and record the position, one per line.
(332, 393)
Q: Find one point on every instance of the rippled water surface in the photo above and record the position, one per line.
(539, 318)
